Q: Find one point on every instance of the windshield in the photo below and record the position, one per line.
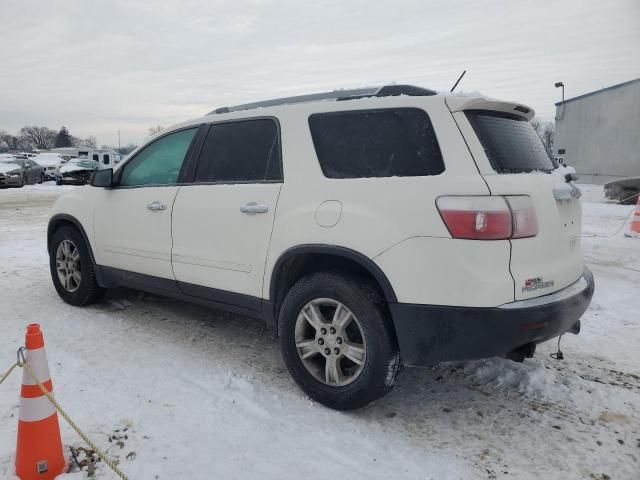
(83, 163)
(15, 161)
(510, 142)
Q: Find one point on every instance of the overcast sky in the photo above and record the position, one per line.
(100, 66)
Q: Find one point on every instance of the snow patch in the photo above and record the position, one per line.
(528, 377)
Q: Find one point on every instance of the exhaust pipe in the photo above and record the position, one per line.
(520, 353)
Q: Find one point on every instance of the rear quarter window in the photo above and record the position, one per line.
(376, 143)
(510, 142)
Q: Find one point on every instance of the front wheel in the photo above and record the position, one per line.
(337, 340)
(41, 179)
(71, 268)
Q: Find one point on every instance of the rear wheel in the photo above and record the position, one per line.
(337, 341)
(71, 268)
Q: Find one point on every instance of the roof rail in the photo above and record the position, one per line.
(337, 95)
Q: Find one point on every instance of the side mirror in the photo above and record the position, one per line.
(102, 178)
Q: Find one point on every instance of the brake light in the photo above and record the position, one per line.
(488, 217)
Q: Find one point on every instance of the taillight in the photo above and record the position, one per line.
(488, 217)
(525, 222)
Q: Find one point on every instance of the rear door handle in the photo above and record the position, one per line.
(252, 208)
(156, 205)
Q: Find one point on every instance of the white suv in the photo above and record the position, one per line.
(369, 228)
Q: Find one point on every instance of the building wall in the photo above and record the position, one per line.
(601, 133)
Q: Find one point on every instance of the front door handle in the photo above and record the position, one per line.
(156, 205)
(252, 208)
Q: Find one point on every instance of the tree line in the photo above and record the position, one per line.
(43, 138)
(34, 137)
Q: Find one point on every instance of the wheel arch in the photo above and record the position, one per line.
(61, 219)
(302, 260)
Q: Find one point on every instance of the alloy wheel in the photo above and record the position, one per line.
(330, 342)
(68, 265)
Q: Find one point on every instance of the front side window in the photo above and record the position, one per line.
(158, 163)
(393, 142)
(244, 151)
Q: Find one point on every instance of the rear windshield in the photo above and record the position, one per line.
(510, 142)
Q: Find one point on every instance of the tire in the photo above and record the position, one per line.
(41, 179)
(86, 290)
(381, 366)
(23, 182)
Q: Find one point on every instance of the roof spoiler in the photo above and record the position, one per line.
(459, 104)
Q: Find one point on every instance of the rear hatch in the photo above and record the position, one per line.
(513, 161)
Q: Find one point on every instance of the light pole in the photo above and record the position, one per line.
(558, 85)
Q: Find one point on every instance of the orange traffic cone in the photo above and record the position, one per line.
(634, 229)
(39, 451)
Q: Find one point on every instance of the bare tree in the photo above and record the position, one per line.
(10, 140)
(37, 137)
(89, 142)
(545, 131)
(537, 125)
(154, 130)
(548, 135)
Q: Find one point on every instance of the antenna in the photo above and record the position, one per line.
(457, 82)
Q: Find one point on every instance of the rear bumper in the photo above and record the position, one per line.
(429, 334)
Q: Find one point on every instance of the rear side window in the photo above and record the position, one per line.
(510, 142)
(376, 143)
(245, 151)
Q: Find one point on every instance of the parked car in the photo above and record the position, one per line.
(50, 162)
(18, 172)
(625, 190)
(76, 172)
(369, 228)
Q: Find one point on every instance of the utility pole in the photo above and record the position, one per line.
(118, 140)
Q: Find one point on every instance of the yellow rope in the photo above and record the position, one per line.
(21, 363)
(110, 463)
(6, 375)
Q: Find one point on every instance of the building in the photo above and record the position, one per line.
(599, 133)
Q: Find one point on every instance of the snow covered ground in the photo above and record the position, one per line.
(195, 393)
